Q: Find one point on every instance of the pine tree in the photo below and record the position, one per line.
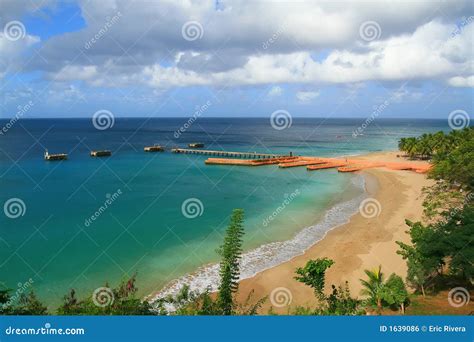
(231, 252)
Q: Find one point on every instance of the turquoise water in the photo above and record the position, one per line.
(143, 228)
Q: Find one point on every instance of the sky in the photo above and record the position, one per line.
(242, 58)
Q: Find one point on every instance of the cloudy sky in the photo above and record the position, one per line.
(248, 58)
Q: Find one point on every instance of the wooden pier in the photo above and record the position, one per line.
(253, 155)
(154, 148)
(104, 153)
(52, 157)
(320, 163)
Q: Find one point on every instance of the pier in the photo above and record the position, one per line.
(52, 157)
(253, 155)
(104, 153)
(320, 163)
(154, 148)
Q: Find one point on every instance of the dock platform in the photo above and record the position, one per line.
(154, 148)
(252, 155)
(53, 157)
(104, 153)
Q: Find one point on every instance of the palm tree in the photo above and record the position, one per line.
(373, 287)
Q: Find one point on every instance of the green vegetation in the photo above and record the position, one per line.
(339, 302)
(442, 251)
(313, 274)
(390, 293)
(230, 251)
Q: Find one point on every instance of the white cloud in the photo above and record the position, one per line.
(147, 47)
(307, 96)
(275, 91)
(460, 81)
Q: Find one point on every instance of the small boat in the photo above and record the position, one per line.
(196, 145)
(154, 148)
(59, 156)
(104, 153)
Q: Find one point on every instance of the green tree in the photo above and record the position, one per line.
(313, 274)
(373, 287)
(394, 292)
(231, 252)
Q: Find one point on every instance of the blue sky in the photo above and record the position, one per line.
(165, 58)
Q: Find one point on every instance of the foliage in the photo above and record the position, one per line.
(124, 302)
(313, 274)
(28, 304)
(436, 245)
(230, 251)
(394, 292)
(339, 302)
(373, 287)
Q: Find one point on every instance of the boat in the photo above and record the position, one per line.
(196, 145)
(103, 153)
(58, 156)
(154, 148)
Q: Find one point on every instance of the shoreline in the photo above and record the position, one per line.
(278, 274)
(362, 243)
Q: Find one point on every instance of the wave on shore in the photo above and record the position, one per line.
(271, 254)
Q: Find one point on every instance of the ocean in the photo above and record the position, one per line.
(87, 222)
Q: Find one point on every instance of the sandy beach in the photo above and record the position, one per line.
(363, 243)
